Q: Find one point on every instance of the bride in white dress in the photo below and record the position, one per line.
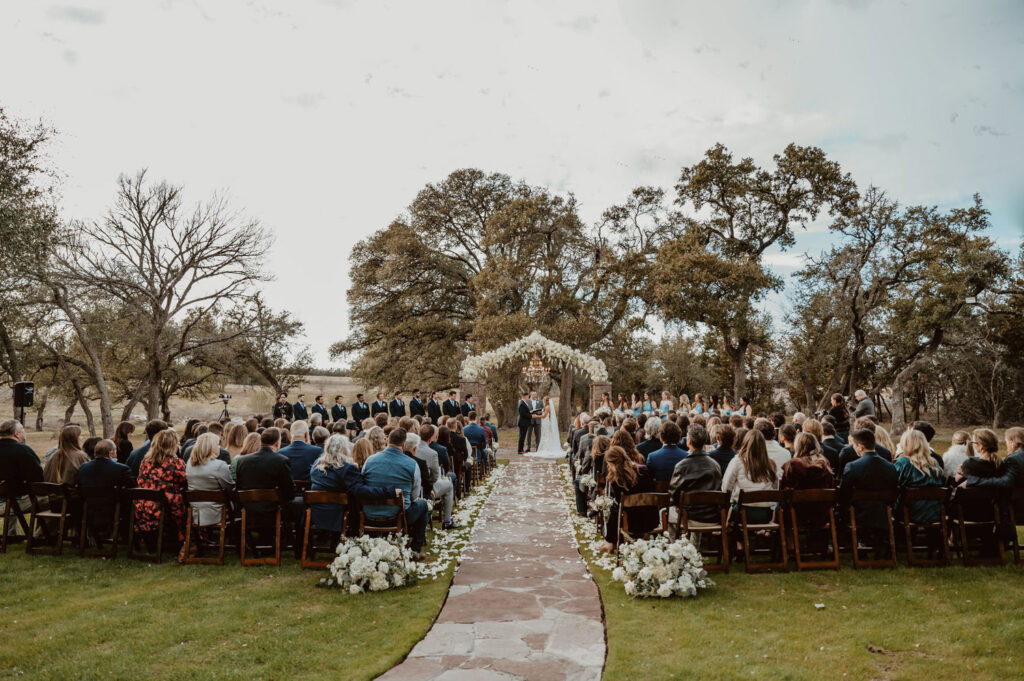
(550, 446)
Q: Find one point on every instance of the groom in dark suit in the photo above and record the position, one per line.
(397, 406)
(525, 420)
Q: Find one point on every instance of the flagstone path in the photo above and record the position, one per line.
(522, 604)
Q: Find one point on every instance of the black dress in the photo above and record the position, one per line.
(640, 520)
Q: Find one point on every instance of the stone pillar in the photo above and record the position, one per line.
(478, 389)
(597, 390)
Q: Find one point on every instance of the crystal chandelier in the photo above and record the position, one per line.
(536, 370)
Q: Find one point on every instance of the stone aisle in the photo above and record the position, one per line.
(522, 605)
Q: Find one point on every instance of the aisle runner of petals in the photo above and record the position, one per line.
(522, 604)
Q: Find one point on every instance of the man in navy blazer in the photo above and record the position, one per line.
(468, 406)
(434, 408)
(397, 406)
(871, 472)
(360, 410)
(416, 405)
(299, 411)
(663, 462)
(320, 408)
(300, 454)
(338, 411)
(848, 454)
(380, 406)
(451, 406)
(104, 472)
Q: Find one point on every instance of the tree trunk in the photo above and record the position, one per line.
(565, 399)
(98, 376)
(739, 371)
(68, 413)
(13, 358)
(899, 422)
(40, 408)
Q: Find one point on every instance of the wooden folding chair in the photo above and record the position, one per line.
(656, 500)
(158, 497)
(98, 495)
(976, 498)
(887, 498)
(11, 491)
(695, 527)
(777, 525)
(813, 499)
(309, 546)
(395, 524)
(250, 496)
(192, 529)
(40, 495)
(937, 530)
(662, 486)
(1016, 502)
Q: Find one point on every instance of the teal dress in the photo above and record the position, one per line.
(909, 476)
(649, 407)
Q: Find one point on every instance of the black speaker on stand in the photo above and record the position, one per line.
(24, 396)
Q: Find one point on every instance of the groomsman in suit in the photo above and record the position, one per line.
(416, 405)
(380, 406)
(525, 420)
(536, 408)
(434, 408)
(451, 406)
(360, 411)
(319, 408)
(299, 411)
(468, 406)
(338, 411)
(397, 406)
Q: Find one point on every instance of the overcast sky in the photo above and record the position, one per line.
(323, 119)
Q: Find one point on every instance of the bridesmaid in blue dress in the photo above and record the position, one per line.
(636, 405)
(649, 407)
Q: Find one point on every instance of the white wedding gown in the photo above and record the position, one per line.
(550, 446)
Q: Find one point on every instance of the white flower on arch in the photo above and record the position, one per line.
(476, 367)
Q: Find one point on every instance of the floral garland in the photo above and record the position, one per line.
(476, 366)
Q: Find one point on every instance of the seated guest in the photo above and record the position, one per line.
(724, 437)
(883, 440)
(430, 434)
(626, 476)
(787, 437)
(831, 445)
(104, 472)
(848, 453)
(460, 452)
(915, 467)
(62, 467)
(161, 469)
(361, 451)
(651, 443)
(698, 472)
(808, 469)
(250, 445)
(300, 454)
(587, 441)
(928, 431)
(776, 452)
(390, 469)
(206, 472)
(623, 439)
(986, 462)
(441, 443)
(872, 472)
(135, 458)
(1011, 475)
(234, 439)
(268, 469)
(18, 465)
(89, 445)
(443, 488)
(663, 461)
(203, 428)
(334, 471)
(591, 464)
(122, 438)
(477, 438)
(960, 450)
(751, 470)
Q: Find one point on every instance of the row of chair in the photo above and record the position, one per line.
(44, 515)
(794, 509)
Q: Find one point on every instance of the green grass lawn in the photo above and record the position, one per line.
(71, 618)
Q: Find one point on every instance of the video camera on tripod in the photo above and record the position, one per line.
(223, 397)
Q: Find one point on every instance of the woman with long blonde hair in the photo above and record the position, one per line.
(163, 470)
(206, 472)
(62, 467)
(234, 439)
(883, 438)
(916, 468)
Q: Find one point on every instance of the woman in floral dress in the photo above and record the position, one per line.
(163, 470)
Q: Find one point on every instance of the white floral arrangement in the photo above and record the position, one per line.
(602, 503)
(371, 564)
(661, 567)
(476, 366)
(587, 481)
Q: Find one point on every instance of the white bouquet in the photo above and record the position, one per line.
(587, 481)
(602, 503)
(661, 567)
(370, 564)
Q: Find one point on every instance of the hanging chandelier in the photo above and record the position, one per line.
(536, 370)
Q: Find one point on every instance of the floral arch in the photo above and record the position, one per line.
(473, 372)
